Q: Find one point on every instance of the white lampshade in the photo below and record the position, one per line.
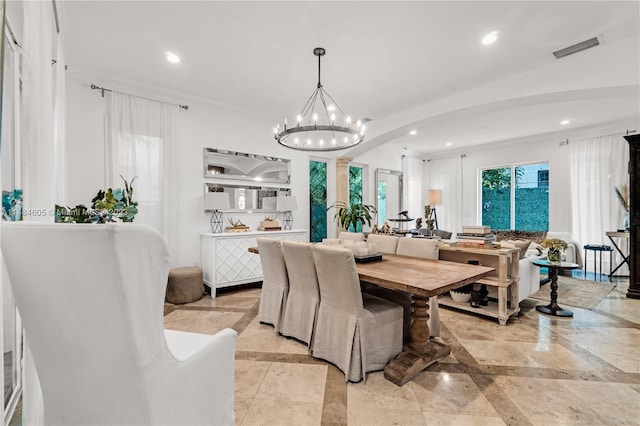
(286, 203)
(434, 197)
(216, 201)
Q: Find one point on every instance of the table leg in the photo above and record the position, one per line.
(421, 352)
(553, 308)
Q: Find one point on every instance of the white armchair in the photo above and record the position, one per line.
(91, 299)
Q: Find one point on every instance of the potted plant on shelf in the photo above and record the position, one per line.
(352, 215)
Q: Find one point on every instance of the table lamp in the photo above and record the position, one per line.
(214, 202)
(434, 198)
(287, 204)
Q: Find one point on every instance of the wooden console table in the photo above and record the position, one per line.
(505, 261)
(625, 257)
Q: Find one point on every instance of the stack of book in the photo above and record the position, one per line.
(476, 234)
(269, 225)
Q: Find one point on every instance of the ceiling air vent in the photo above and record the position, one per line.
(579, 47)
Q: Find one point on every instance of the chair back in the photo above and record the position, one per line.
(354, 236)
(384, 243)
(338, 278)
(274, 270)
(418, 247)
(91, 300)
(301, 268)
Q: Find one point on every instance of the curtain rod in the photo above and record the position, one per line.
(627, 133)
(102, 89)
(55, 15)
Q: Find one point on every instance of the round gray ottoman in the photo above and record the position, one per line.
(185, 285)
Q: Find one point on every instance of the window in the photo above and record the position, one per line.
(318, 200)
(516, 197)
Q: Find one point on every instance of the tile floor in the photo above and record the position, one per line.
(537, 370)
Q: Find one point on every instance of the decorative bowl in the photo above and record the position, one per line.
(460, 297)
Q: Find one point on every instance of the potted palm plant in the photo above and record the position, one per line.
(351, 215)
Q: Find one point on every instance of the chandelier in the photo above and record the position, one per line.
(320, 126)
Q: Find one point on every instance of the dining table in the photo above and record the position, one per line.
(422, 278)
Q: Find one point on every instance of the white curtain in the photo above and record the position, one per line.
(142, 143)
(597, 166)
(59, 127)
(412, 191)
(446, 174)
(37, 141)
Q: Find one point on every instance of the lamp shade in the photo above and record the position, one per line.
(434, 197)
(286, 204)
(216, 201)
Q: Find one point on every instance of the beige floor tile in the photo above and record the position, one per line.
(294, 382)
(438, 419)
(525, 354)
(292, 346)
(240, 409)
(384, 416)
(227, 301)
(617, 346)
(471, 327)
(451, 394)
(248, 378)
(258, 337)
(273, 412)
(627, 401)
(547, 401)
(380, 393)
(208, 322)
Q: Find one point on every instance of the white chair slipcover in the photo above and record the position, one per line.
(356, 332)
(384, 243)
(91, 299)
(353, 236)
(304, 295)
(425, 249)
(275, 283)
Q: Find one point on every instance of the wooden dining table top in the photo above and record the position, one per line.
(425, 277)
(414, 275)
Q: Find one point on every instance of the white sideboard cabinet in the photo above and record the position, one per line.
(226, 260)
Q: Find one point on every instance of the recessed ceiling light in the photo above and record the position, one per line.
(413, 132)
(448, 144)
(563, 122)
(172, 57)
(490, 38)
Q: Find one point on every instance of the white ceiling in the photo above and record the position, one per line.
(383, 58)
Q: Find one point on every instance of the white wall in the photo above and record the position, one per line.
(200, 127)
(542, 150)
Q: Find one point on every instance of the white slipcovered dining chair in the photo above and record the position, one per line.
(426, 249)
(91, 299)
(384, 243)
(275, 283)
(356, 332)
(352, 236)
(304, 295)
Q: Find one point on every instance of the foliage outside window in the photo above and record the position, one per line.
(516, 197)
(382, 202)
(355, 191)
(318, 200)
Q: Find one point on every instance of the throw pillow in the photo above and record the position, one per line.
(523, 245)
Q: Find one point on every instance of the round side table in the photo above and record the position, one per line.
(553, 308)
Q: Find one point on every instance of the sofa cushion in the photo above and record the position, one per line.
(523, 245)
(511, 234)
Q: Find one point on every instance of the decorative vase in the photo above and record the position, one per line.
(553, 255)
